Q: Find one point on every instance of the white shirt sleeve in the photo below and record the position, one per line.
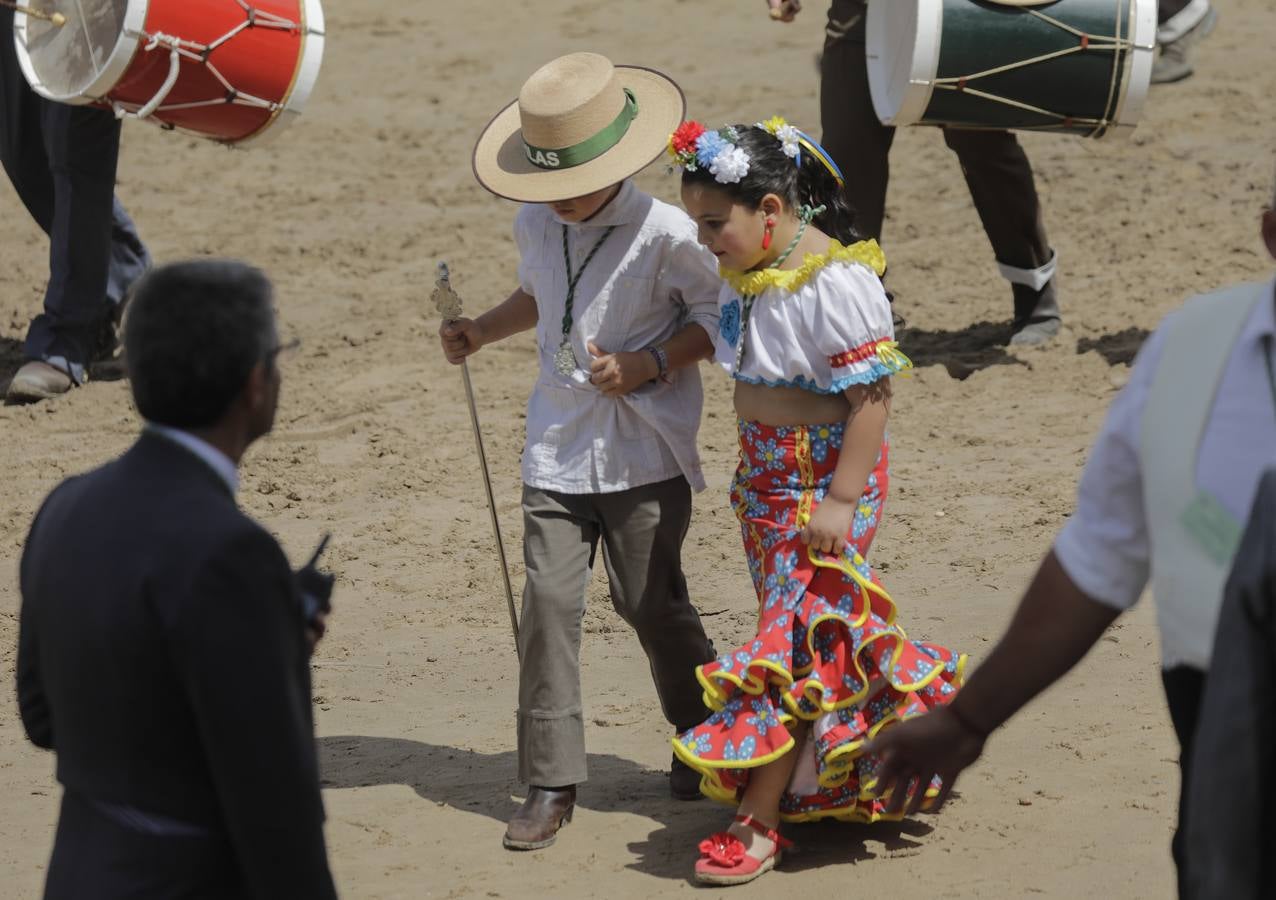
(1104, 548)
(847, 318)
(523, 240)
(691, 274)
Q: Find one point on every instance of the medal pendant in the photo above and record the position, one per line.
(565, 359)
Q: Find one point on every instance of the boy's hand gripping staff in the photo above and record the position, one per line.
(449, 306)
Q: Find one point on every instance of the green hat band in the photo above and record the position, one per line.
(590, 148)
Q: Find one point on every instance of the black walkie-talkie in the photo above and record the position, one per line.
(315, 586)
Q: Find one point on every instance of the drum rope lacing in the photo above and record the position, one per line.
(1087, 42)
(180, 48)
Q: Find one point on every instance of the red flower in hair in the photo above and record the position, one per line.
(684, 137)
(723, 848)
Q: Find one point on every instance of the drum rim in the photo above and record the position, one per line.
(304, 77)
(917, 96)
(116, 64)
(1138, 70)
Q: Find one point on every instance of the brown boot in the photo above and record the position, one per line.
(537, 821)
(38, 380)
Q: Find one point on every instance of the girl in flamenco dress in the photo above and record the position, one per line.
(806, 331)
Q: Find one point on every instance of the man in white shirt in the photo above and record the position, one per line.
(1168, 484)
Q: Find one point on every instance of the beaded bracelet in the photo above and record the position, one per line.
(662, 360)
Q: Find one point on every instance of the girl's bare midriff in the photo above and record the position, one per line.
(788, 405)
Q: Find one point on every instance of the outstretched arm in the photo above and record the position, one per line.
(1053, 628)
(463, 337)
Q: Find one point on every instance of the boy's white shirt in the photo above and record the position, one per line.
(648, 279)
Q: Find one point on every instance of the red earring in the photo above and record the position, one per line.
(766, 235)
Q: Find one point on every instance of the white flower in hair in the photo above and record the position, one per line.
(788, 137)
(786, 134)
(730, 166)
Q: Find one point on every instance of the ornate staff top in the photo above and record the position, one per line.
(445, 299)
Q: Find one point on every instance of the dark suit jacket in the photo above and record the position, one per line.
(162, 655)
(1231, 798)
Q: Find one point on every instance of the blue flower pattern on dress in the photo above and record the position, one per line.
(729, 322)
(772, 456)
(824, 435)
(698, 744)
(763, 717)
(780, 586)
(826, 640)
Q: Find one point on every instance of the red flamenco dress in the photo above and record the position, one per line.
(827, 649)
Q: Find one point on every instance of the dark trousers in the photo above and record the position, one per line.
(1168, 9)
(994, 164)
(96, 858)
(61, 161)
(641, 531)
(1183, 689)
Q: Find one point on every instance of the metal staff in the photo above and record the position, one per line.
(448, 304)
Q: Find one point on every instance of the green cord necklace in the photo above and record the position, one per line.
(565, 359)
(749, 298)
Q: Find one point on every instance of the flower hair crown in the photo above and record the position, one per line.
(693, 146)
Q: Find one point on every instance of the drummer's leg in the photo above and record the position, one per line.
(129, 256)
(21, 147)
(853, 136)
(1005, 195)
(82, 144)
(1168, 9)
(1179, 25)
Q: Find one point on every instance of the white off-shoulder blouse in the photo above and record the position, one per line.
(824, 326)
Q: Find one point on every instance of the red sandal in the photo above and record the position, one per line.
(724, 861)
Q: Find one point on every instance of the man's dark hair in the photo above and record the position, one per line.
(193, 332)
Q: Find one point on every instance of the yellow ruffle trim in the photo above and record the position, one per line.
(867, 253)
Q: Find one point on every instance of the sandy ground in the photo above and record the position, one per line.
(415, 698)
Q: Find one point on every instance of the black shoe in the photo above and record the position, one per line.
(684, 781)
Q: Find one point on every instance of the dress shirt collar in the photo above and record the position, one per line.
(216, 460)
(626, 208)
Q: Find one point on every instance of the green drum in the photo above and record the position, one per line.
(1073, 66)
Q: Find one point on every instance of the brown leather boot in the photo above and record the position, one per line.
(537, 821)
(36, 381)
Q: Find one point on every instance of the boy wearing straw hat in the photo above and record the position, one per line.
(623, 299)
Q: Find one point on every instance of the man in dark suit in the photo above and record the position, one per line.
(166, 661)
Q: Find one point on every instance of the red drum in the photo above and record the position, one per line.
(229, 70)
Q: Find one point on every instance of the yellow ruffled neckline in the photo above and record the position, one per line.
(790, 280)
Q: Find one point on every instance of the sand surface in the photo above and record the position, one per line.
(415, 686)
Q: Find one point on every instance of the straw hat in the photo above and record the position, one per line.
(579, 125)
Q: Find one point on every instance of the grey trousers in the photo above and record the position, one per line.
(641, 530)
